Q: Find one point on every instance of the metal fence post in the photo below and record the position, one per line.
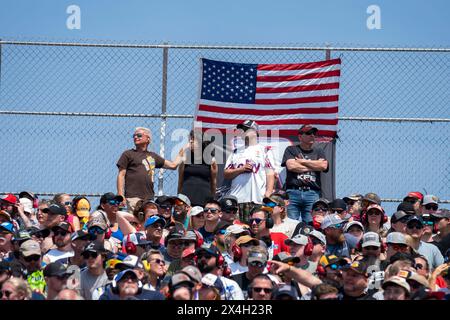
(333, 148)
(162, 138)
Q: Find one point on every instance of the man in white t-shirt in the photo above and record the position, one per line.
(251, 170)
(63, 244)
(281, 223)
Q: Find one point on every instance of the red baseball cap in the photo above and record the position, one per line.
(188, 252)
(10, 198)
(414, 194)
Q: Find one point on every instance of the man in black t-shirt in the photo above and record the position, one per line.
(303, 163)
(137, 169)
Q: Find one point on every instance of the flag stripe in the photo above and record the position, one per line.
(296, 72)
(297, 100)
(245, 116)
(335, 73)
(297, 83)
(270, 122)
(283, 133)
(223, 111)
(315, 87)
(290, 95)
(266, 127)
(294, 66)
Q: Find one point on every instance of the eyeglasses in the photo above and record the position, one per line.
(137, 135)
(258, 289)
(271, 204)
(39, 235)
(165, 206)
(159, 261)
(338, 211)
(222, 231)
(5, 293)
(156, 226)
(89, 254)
(414, 226)
(428, 222)
(316, 241)
(256, 264)
(371, 248)
(256, 220)
(350, 203)
(212, 210)
(320, 209)
(399, 247)
(96, 230)
(113, 202)
(374, 213)
(60, 233)
(433, 207)
(33, 257)
(68, 203)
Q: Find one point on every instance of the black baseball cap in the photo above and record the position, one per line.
(55, 209)
(338, 204)
(56, 269)
(248, 124)
(407, 207)
(398, 216)
(110, 196)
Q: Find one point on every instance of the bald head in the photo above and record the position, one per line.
(68, 294)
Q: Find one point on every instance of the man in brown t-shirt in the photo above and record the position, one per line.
(137, 169)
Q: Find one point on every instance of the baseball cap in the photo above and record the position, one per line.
(398, 215)
(81, 234)
(359, 266)
(372, 197)
(110, 196)
(329, 259)
(27, 194)
(285, 290)
(331, 220)
(237, 229)
(180, 278)
(6, 215)
(441, 213)
(82, 208)
(196, 210)
(129, 262)
(94, 247)
(161, 199)
(188, 252)
(319, 236)
(154, 219)
(27, 205)
(413, 219)
(286, 258)
(56, 269)
(97, 222)
(409, 275)
(396, 280)
(375, 207)
(7, 226)
(213, 250)
(183, 198)
(177, 232)
(297, 239)
(121, 274)
(248, 124)
(228, 203)
(338, 204)
(29, 248)
(396, 238)
(21, 235)
(246, 239)
(371, 239)
(222, 225)
(348, 225)
(193, 273)
(55, 209)
(354, 197)
(321, 201)
(64, 226)
(406, 207)
(257, 255)
(136, 238)
(274, 198)
(414, 194)
(43, 230)
(307, 128)
(429, 198)
(9, 198)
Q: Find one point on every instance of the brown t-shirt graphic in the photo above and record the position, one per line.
(140, 166)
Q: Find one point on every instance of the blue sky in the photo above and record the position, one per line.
(127, 88)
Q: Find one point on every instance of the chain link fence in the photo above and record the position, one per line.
(68, 111)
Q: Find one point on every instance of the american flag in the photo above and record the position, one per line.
(277, 96)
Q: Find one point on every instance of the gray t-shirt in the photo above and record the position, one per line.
(432, 253)
(89, 283)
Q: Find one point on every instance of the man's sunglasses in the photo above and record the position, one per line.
(414, 226)
(212, 210)
(68, 203)
(33, 257)
(206, 256)
(399, 247)
(255, 220)
(338, 211)
(350, 203)
(257, 264)
(113, 202)
(271, 204)
(433, 207)
(60, 233)
(320, 209)
(96, 230)
(138, 135)
(266, 290)
(89, 254)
